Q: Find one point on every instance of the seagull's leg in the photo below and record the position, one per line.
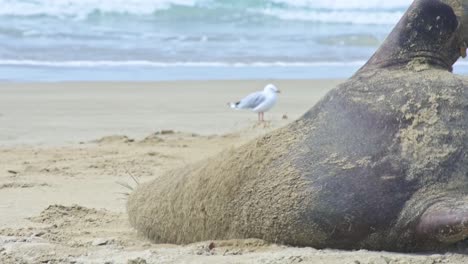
(262, 117)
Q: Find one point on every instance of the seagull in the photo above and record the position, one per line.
(259, 102)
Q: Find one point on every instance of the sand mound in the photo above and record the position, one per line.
(152, 139)
(62, 216)
(114, 139)
(66, 224)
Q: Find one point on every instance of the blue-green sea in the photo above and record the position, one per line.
(140, 40)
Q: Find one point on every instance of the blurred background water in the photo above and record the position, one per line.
(56, 40)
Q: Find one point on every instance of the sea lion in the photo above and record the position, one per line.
(379, 163)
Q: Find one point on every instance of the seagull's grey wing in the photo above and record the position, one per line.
(252, 100)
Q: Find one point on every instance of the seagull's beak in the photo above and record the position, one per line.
(278, 91)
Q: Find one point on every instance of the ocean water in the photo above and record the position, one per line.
(56, 40)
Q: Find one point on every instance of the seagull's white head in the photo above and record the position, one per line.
(271, 89)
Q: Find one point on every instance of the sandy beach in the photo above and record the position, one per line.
(58, 113)
(71, 152)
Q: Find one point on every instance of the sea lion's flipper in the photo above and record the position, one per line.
(444, 224)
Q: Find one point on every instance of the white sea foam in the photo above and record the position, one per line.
(141, 63)
(345, 17)
(377, 11)
(82, 8)
(155, 64)
(348, 4)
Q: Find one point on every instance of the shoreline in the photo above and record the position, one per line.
(71, 112)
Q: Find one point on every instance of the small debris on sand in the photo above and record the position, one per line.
(114, 139)
(137, 261)
(167, 132)
(100, 242)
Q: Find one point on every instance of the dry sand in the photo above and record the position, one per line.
(67, 151)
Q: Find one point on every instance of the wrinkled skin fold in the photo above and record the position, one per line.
(379, 163)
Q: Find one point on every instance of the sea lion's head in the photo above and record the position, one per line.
(432, 33)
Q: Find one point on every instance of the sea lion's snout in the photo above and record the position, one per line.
(463, 51)
(460, 8)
